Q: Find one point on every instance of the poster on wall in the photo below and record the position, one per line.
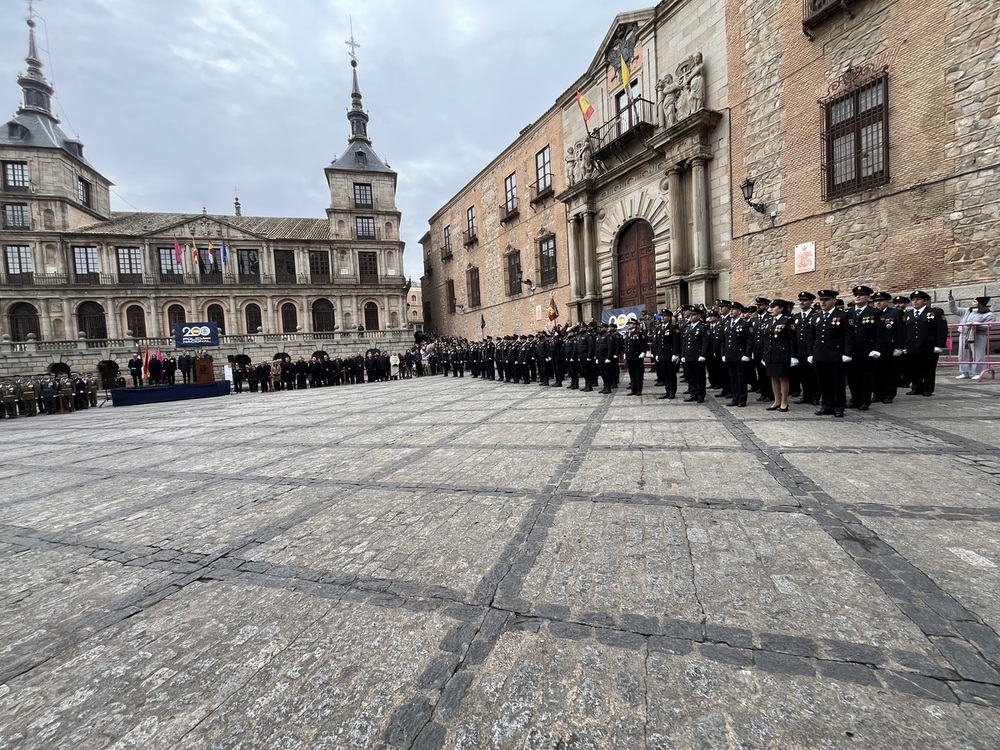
(805, 257)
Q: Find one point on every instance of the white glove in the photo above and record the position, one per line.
(723, 357)
(701, 359)
(675, 359)
(607, 361)
(548, 359)
(875, 354)
(846, 359)
(809, 359)
(938, 350)
(897, 352)
(795, 362)
(744, 358)
(763, 363)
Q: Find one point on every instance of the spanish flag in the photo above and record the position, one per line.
(626, 76)
(145, 365)
(585, 107)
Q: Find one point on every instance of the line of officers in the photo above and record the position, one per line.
(872, 347)
(48, 394)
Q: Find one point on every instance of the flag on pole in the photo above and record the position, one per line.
(225, 253)
(194, 251)
(178, 253)
(211, 253)
(553, 310)
(145, 365)
(585, 108)
(482, 321)
(159, 354)
(626, 76)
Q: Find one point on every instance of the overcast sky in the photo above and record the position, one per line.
(179, 102)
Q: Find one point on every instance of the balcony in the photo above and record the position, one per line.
(95, 279)
(428, 267)
(446, 251)
(815, 12)
(284, 277)
(249, 279)
(470, 238)
(636, 121)
(509, 210)
(542, 189)
(132, 279)
(213, 277)
(171, 278)
(14, 223)
(21, 279)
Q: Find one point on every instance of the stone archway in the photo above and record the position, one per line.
(636, 266)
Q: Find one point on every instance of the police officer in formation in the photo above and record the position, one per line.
(48, 393)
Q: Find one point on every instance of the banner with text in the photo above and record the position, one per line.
(196, 334)
(620, 315)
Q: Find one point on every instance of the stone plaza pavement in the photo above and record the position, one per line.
(462, 564)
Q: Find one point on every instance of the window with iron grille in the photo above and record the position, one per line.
(472, 284)
(547, 270)
(16, 216)
(289, 318)
(365, 226)
(83, 191)
(324, 316)
(129, 264)
(452, 302)
(217, 315)
(284, 266)
(15, 175)
(19, 260)
(362, 195)
(319, 266)
(253, 317)
(135, 320)
(368, 267)
(510, 193)
(175, 315)
(856, 138)
(512, 268)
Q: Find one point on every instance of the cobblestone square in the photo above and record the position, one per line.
(453, 563)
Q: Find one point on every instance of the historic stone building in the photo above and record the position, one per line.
(497, 252)
(73, 268)
(869, 130)
(639, 213)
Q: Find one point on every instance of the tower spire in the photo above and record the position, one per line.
(357, 115)
(37, 93)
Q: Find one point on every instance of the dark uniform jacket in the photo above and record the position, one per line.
(830, 336)
(781, 341)
(696, 342)
(737, 339)
(925, 331)
(666, 342)
(868, 330)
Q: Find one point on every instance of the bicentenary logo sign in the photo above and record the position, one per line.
(196, 334)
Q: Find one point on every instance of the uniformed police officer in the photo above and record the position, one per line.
(737, 346)
(891, 348)
(694, 354)
(830, 333)
(666, 352)
(635, 352)
(925, 338)
(867, 344)
(779, 350)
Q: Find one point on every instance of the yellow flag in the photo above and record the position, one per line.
(626, 77)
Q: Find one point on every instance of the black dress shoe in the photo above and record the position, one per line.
(783, 408)
(605, 391)
(588, 389)
(657, 383)
(887, 401)
(773, 407)
(732, 403)
(839, 414)
(850, 405)
(664, 396)
(765, 398)
(701, 400)
(863, 407)
(800, 401)
(928, 393)
(914, 393)
(689, 399)
(742, 404)
(632, 393)
(823, 412)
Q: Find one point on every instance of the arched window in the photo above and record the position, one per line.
(324, 317)
(218, 316)
(371, 316)
(289, 318)
(24, 320)
(135, 321)
(253, 317)
(91, 320)
(175, 315)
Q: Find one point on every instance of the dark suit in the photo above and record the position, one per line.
(635, 352)
(737, 343)
(867, 339)
(695, 346)
(831, 338)
(924, 331)
(887, 366)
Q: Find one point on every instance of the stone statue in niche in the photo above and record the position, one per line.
(691, 77)
(570, 166)
(585, 159)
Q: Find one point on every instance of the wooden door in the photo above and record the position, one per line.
(637, 266)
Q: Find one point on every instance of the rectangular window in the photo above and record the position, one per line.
(86, 265)
(446, 250)
(452, 302)
(856, 135)
(365, 226)
(319, 266)
(130, 265)
(20, 266)
(512, 269)
(284, 266)
(15, 175)
(16, 216)
(509, 207)
(171, 270)
(368, 267)
(472, 282)
(362, 195)
(543, 172)
(248, 265)
(627, 105)
(471, 234)
(547, 271)
(83, 192)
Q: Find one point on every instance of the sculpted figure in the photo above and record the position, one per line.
(669, 91)
(696, 85)
(570, 166)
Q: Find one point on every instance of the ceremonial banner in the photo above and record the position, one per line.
(196, 334)
(621, 315)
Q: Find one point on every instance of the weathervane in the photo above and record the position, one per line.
(31, 8)
(350, 43)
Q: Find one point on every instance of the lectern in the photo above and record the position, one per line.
(203, 372)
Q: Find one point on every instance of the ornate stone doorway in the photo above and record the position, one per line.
(636, 266)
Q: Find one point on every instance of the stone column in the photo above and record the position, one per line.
(675, 206)
(589, 254)
(270, 325)
(571, 241)
(306, 322)
(156, 326)
(234, 324)
(113, 318)
(699, 211)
